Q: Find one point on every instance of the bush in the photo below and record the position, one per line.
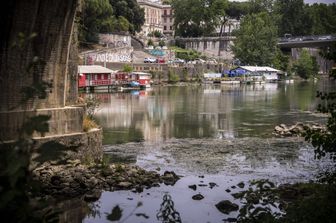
(89, 124)
(172, 77)
(127, 68)
(150, 42)
(162, 43)
(305, 67)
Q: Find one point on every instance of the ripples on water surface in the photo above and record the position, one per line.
(223, 133)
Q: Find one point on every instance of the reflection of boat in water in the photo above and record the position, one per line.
(291, 81)
(230, 82)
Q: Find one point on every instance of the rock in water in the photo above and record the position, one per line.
(227, 206)
(193, 187)
(197, 197)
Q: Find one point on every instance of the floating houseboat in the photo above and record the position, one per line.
(255, 74)
(93, 77)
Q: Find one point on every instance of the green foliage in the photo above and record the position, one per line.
(131, 11)
(298, 18)
(258, 6)
(97, 17)
(294, 19)
(322, 18)
(127, 68)
(92, 103)
(280, 61)
(157, 34)
(185, 75)
(186, 54)
(104, 16)
(172, 76)
(256, 40)
(324, 141)
(122, 24)
(305, 66)
(197, 18)
(236, 10)
(150, 42)
(162, 43)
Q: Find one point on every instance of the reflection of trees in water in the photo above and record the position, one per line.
(167, 212)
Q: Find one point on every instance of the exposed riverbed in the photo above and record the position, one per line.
(217, 138)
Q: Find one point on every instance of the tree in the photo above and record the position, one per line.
(304, 67)
(127, 68)
(97, 17)
(324, 141)
(257, 6)
(122, 24)
(197, 17)
(130, 10)
(280, 60)
(294, 17)
(256, 40)
(323, 18)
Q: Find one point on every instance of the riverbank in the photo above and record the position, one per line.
(76, 179)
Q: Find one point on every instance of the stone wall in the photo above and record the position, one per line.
(115, 40)
(217, 47)
(83, 146)
(108, 55)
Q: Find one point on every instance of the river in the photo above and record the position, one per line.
(213, 136)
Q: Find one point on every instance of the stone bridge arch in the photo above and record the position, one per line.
(38, 44)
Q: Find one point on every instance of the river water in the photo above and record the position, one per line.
(220, 135)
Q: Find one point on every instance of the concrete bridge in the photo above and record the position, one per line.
(307, 41)
(38, 44)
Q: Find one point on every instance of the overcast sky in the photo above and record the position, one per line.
(320, 1)
(306, 1)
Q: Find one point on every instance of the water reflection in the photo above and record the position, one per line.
(227, 111)
(167, 212)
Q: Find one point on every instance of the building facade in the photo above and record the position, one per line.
(153, 17)
(167, 20)
(157, 17)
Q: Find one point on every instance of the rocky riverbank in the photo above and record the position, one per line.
(76, 179)
(297, 129)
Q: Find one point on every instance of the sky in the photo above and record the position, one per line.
(306, 1)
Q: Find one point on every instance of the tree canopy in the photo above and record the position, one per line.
(256, 40)
(195, 18)
(305, 66)
(104, 16)
(97, 17)
(130, 10)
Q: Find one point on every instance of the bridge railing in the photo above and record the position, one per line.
(307, 38)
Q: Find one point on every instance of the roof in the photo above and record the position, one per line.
(94, 69)
(259, 69)
(141, 73)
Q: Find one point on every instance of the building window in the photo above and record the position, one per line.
(165, 12)
(164, 27)
(164, 19)
(171, 27)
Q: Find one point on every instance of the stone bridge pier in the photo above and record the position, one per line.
(38, 47)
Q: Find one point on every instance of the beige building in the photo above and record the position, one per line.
(157, 17)
(153, 17)
(167, 20)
